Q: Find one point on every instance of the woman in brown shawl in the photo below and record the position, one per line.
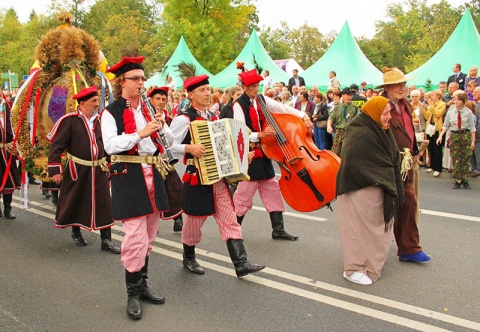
(369, 187)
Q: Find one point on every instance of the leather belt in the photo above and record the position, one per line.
(460, 131)
(92, 163)
(148, 159)
(255, 145)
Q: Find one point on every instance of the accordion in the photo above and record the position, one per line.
(226, 145)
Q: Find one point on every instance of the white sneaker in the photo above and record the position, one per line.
(358, 278)
(429, 170)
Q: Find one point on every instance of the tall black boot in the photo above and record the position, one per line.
(278, 228)
(107, 243)
(54, 197)
(7, 202)
(147, 294)
(239, 258)
(178, 224)
(134, 289)
(189, 261)
(240, 219)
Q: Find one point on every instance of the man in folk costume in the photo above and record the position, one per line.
(262, 175)
(158, 97)
(131, 138)
(10, 176)
(402, 127)
(201, 201)
(78, 133)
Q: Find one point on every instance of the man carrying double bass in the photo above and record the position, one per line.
(262, 176)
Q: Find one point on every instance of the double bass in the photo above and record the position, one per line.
(308, 179)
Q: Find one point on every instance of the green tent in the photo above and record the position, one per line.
(345, 58)
(182, 54)
(253, 53)
(462, 47)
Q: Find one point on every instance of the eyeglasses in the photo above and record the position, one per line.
(136, 78)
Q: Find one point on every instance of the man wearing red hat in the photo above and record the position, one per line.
(201, 201)
(131, 137)
(158, 97)
(78, 133)
(262, 175)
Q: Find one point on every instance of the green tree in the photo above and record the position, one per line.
(308, 45)
(214, 30)
(275, 43)
(412, 35)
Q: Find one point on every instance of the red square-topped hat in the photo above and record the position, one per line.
(126, 64)
(250, 77)
(192, 83)
(159, 90)
(86, 93)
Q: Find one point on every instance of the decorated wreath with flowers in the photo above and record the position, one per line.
(67, 60)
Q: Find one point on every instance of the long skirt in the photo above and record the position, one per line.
(365, 241)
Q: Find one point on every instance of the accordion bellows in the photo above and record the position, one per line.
(226, 144)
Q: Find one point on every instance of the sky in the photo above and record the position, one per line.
(325, 15)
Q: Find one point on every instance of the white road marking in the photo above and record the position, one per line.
(309, 282)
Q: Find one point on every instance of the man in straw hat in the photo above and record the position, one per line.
(79, 134)
(262, 176)
(201, 201)
(402, 126)
(131, 138)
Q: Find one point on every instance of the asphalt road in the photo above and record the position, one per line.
(49, 284)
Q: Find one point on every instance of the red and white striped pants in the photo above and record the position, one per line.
(224, 216)
(269, 192)
(140, 232)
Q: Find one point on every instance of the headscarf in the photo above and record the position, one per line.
(374, 109)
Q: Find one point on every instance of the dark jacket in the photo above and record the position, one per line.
(291, 82)
(460, 80)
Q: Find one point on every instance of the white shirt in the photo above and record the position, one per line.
(114, 143)
(273, 106)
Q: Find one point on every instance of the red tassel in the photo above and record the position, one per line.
(194, 180)
(186, 177)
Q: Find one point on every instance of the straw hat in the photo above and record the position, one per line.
(393, 76)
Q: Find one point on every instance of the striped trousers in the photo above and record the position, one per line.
(140, 232)
(269, 191)
(224, 216)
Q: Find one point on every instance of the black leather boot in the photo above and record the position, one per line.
(54, 197)
(134, 289)
(240, 219)
(239, 258)
(107, 243)
(278, 227)
(78, 237)
(189, 261)
(147, 294)
(7, 202)
(178, 224)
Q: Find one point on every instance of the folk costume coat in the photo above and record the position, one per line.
(84, 191)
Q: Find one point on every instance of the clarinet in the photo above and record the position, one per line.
(171, 158)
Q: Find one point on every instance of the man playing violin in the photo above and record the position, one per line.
(262, 175)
